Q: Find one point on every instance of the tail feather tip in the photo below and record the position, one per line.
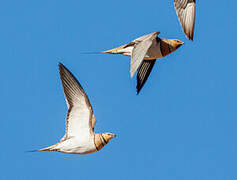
(32, 151)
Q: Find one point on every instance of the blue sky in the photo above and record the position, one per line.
(183, 125)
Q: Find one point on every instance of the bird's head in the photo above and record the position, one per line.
(108, 136)
(102, 139)
(176, 43)
(170, 45)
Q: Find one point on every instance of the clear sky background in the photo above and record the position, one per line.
(183, 124)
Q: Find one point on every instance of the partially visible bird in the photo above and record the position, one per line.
(144, 51)
(185, 10)
(80, 137)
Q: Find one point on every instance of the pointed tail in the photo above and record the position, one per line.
(96, 52)
(118, 50)
(50, 148)
(32, 151)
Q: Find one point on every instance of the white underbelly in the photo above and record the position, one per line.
(78, 146)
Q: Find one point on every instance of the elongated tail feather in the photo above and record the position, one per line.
(32, 151)
(50, 148)
(118, 50)
(96, 52)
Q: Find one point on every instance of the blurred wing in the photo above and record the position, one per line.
(139, 52)
(185, 10)
(80, 112)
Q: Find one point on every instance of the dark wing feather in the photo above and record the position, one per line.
(143, 73)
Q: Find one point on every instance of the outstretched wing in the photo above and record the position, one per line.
(185, 10)
(143, 73)
(80, 113)
(139, 51)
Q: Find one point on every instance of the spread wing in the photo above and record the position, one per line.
(139, 51)
(80, 113)
(185, 10)
(143, 73)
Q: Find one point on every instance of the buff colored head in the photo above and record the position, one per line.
(108, 136)
(176, 43)
(102, 139)
(170, 45)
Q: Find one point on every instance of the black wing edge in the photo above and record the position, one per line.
(69, 82)
(143, 73)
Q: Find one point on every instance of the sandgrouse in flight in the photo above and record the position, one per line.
(144, 51)
(80, 137)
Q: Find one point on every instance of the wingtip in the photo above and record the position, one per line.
(62, 68)
(60, 65)
(190, 37)
(138, 91)
(138, 88)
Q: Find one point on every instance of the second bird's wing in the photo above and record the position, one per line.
(185, 10)
(139, 51)
(143, 73)
(80, 113)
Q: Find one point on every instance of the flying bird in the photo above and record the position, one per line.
(80, 137)
(144, 51)
(185, 10)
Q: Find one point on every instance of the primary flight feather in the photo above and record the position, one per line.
(185, 10)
